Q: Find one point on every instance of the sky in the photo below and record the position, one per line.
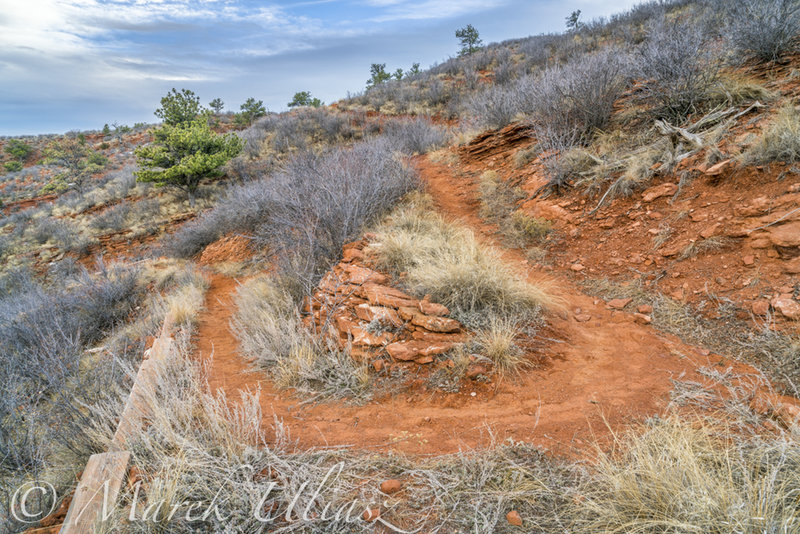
(78, 64)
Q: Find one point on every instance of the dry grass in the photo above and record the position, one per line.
(696, 248)
(678, 476)
(498, 343)
(522, 230)
(498, 198)
(447, 262)
(738, 91)
(270, 331)
(780, 142)
(525, 156)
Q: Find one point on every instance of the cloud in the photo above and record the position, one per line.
(430, 9)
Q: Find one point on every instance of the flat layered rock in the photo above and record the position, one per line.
(416, 349)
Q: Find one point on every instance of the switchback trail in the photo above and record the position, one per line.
(600, 375)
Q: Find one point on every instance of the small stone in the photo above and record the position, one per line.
(357, 274)
(371, 514)
(431, 308)
(413, 350)
(391, 486)
(513, 518)
(476, 371)
(658, 191)
(473, 394)
(436, 324)
(760, 307)
(710, 231)
(577, 267)
(583, 317)
(787, 306)
(618, 304)
(382, 314)
(642, 318)
(749, 259)
(378, 365)
(645, 309)
(719, 168)
(792, 266)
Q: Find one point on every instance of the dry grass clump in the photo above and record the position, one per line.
(679, 476)
(446, 262)
(780, 142)
(521, 229)
(780, 353)
(498, 198)
(270, 330)
(498, 343)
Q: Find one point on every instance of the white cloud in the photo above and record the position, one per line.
(431, 9)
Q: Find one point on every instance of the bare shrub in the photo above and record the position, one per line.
(575, 100)
(44, 331)
(678, 67)
(304, 214)
(416, 136)
(498, 106)
(764, 30)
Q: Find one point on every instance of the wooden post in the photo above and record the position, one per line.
(96, 495)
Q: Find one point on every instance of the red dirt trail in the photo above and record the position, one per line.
(602, 374)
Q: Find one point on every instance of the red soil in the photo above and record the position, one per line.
(600, 375)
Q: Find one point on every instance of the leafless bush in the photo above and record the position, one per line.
(575, 100)
(764, 30)
(498, 106)
(113, 218)
(305, 213)
(42, 383)
(678, 67)
(416, 136)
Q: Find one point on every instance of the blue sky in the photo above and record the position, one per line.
(77, 64)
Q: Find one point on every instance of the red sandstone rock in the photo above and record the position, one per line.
(658, 191)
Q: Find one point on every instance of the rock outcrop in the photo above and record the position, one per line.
(357, 305)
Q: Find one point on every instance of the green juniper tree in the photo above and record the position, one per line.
(78, 161)
(181, 156)
(378, 74)
(250, 111)
(470, 40)
(573, 20)
(304, 98)
(217, 105)
(179, 107)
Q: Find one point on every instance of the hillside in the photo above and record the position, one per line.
(549, 285)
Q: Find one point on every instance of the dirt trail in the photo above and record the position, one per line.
(607, 372)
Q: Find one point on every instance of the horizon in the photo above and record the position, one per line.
(115, 59)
